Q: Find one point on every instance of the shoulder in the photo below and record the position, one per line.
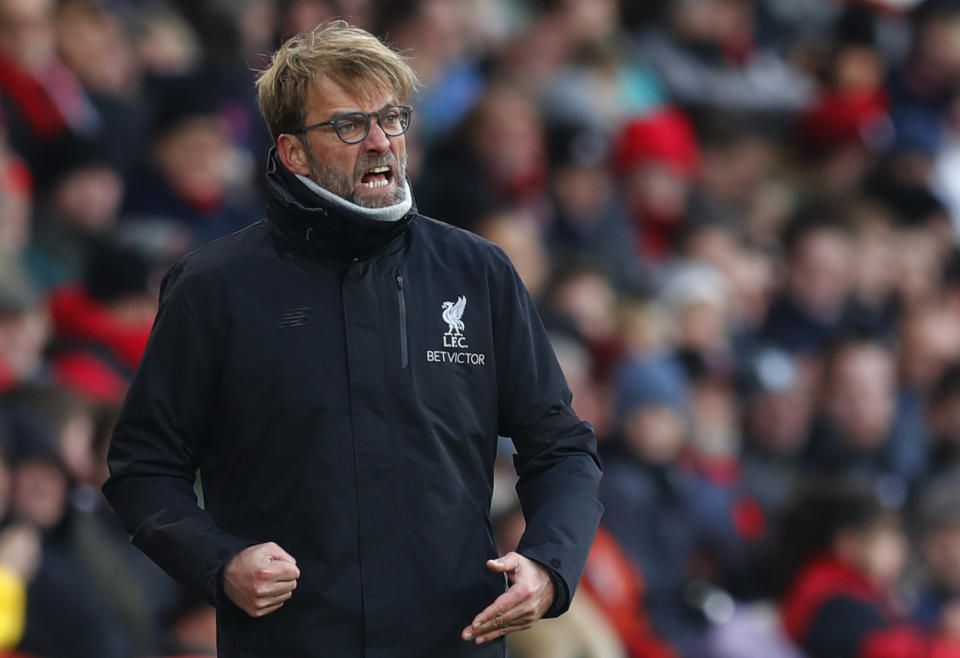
(840, 625)
(453, 241)
(216, 261)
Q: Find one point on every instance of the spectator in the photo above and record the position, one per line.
(83, 193)
(656, 157)
(16, 186)
(40, 96)
(618, 587)
(102, 325)
(19, 553)
(495, 157)
(945, 424)
(844, 556)
(66, 616)
(851, 431)
(23, 332)
(518, 235)
(708, 55)
(646, 495)
(778, 410)
(810, 312)
(586, 216)
(188, 175)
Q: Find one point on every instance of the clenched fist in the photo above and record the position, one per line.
(260, 578)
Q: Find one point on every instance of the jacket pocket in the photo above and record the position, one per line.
(402, 306)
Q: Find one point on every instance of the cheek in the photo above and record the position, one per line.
(399, 149)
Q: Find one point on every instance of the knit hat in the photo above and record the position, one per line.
(72, 154)
(658, 381)
(664, 136)
(577, 145)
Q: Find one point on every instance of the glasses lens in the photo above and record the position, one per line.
(352, 128)
(394, 120)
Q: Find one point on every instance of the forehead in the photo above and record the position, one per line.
(327, 95)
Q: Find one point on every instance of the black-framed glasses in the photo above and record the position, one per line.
(353, 127)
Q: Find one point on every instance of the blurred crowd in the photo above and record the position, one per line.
(739, 219)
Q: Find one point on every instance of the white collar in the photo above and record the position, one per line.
(384, 214)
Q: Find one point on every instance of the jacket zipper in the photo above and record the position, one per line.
(402, 303)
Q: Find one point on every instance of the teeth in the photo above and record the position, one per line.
(379, 170)
(377, 183)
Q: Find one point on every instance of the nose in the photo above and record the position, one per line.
(377, 140)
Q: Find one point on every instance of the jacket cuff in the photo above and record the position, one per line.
(561, 596)
(220, 598)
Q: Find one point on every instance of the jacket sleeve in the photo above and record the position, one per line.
(556, 459)
(154, 452)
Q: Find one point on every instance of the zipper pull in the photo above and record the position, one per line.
(399, 281)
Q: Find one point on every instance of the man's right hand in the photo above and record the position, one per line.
(260, 578)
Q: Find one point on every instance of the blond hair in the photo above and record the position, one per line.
(350, 56)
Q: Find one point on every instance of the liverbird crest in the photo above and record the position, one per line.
(452, 312)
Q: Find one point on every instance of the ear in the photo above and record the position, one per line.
(293, 155)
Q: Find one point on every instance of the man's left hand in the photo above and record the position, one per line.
(525, 601)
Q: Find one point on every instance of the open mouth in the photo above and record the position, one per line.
(377, 177)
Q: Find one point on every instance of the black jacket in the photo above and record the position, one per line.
(305, 367)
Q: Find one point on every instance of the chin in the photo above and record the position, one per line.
(377, 199)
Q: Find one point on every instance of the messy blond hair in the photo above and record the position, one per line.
(350, 56)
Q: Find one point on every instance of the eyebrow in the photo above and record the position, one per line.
(335, 112)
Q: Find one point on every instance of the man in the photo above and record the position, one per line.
(339, 374)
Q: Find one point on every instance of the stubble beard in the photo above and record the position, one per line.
(334, 182)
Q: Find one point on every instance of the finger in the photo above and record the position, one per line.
(278, 553)
(276, 571)
(266, 611)
(274, 588)
(284, 571)
(513, 597)
(508, 562)
(271, 601)
(493, 635)
(519, 614)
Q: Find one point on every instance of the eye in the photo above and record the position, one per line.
(392, 117)
(349, 125)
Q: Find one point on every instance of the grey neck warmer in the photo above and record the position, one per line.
(385, 214)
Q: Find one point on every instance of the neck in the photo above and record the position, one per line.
(383, 214)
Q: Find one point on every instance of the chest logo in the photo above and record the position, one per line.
(453, 338)
(452, 315)
(294, 317)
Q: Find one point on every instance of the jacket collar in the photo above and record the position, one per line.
(322, 226)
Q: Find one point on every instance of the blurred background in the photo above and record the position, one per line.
(739, 219)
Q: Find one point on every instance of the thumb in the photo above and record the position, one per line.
(508, 562)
